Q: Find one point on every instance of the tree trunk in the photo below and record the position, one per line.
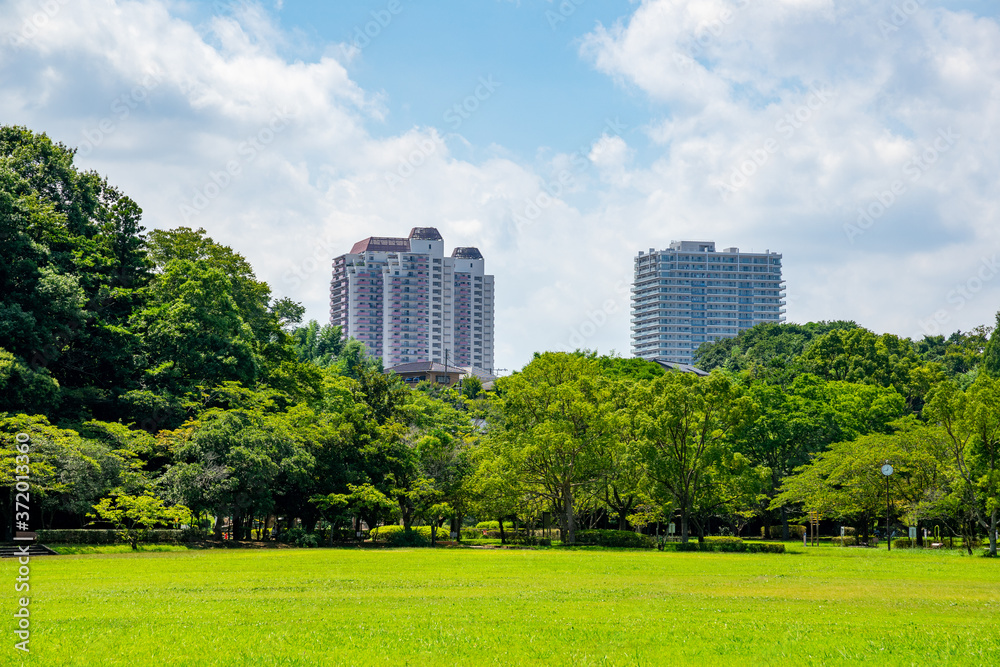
(993, 533)
(570, 537)
(218, 527)
(684, 525)
(784, 523)
(503, 536)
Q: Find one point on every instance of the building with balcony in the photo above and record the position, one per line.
(408, 302)
(689, 294)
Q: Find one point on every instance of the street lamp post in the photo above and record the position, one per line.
(886, 471)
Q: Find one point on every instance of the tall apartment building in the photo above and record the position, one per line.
(407, 302)
(689, 294)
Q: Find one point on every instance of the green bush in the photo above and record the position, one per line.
(493, 525)
(614, 538)
(308, 540)
(845, 541)
(728, 545)
(903, 543)
(413, 538)
(725, 543)
(396, 535)
(104, 536)
(794, 532)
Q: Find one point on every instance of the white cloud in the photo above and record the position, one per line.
(838, 109)
(781, 120)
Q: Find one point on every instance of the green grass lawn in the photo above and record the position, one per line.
(476, 606)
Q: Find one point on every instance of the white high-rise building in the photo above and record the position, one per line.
(690, 294)
(407, 302)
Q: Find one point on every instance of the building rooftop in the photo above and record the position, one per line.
(674, 366)
(381, 243)
(467, 253)
(425, 234)
(424, 367)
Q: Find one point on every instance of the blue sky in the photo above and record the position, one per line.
(431, 56)
(857, 137)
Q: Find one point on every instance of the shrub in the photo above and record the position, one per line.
(493, 525)
(307, 540)
(845, 541)
(794, 532)
(903, 543)
(396, 535)
(727, 544)
(104, 536)
(401, 538)
(614, 538)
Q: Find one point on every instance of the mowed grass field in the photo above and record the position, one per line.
(473, 607)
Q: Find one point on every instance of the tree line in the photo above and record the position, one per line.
(155, 373)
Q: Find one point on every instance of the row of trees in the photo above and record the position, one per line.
(570, 437)
(156, 366)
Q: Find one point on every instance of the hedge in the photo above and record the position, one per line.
(794, 532)
(107, 536)
(614, 538)
(727, 544)
(845, 541)
(493, 525)
(419, 535)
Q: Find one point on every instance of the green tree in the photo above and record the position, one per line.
(845, 482)
(71, 259)
(318, 345)
(135, 516)
(991, 354)
(682, 424)
(556, 429)
(770, 351)
(972, 421)
(192, 331)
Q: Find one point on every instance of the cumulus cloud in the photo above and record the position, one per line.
(855, 137)
(772, 125)
(208, 125)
